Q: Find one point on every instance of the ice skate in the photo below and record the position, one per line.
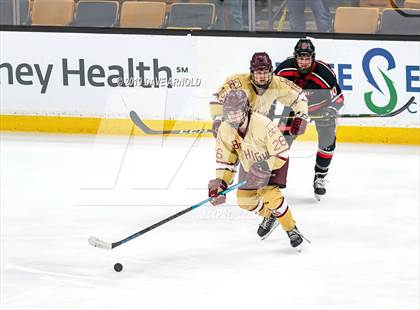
(267, 225)
(295, 238)
(320, 185)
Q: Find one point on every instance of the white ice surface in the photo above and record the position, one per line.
(58, 190)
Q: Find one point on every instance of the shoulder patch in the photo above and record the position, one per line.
(234, 84)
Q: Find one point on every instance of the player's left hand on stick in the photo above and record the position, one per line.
(328, 116)
(215, 187)
(329, 112)
(299, 123)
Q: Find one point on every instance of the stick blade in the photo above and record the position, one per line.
(98, 243)
(139, 123)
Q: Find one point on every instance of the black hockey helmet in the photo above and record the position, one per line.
(305, 47)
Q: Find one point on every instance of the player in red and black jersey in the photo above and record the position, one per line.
(324, 99)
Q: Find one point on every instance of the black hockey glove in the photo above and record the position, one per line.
(328, 116)
(328, 112)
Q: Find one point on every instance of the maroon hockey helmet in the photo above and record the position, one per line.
(261, 61)
(235, 107)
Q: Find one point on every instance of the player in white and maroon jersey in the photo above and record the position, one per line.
(254, 141)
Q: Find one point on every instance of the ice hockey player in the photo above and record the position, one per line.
(253, 140)
(262, 89)
(325, 99)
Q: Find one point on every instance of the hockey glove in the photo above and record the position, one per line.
(215, 187)
(299, 123)
(215, 126)
(329, 116)
(329, 112)
(258, 175)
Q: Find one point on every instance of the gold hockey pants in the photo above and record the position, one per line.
(266, 201)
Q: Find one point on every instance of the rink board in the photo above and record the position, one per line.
(66, 85)
(79, 125)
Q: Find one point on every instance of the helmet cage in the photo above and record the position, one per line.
(235, 108)
(304, 48)
(261, 62)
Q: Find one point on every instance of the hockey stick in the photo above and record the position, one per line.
(147, 130)
(98, 243)
(140, 124)
(391, 114)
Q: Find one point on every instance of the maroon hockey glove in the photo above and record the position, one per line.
(215, 187)
(299, 123)
(215, 126)
(258, 175)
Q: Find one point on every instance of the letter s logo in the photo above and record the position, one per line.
(389, 83)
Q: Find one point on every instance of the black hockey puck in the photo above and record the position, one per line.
(118, 267)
